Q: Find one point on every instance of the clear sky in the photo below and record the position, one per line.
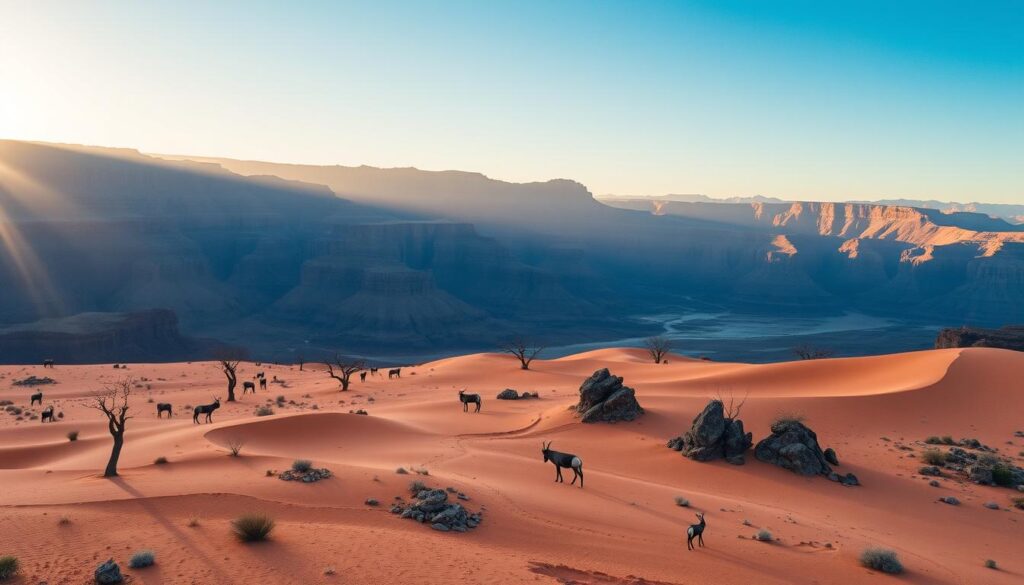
(802, 99)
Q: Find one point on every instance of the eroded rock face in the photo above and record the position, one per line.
(603, 398)
(795, 447)
(713, 436)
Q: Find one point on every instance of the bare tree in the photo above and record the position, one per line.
(113, 403)
(301, 360)
(731, 408)
(342, 368)
(230, 368)
(809, 352)
(658, 347)
(524, 351)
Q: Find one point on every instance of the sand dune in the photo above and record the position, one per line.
(622, 528)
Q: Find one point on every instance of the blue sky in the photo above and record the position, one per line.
(809, 100)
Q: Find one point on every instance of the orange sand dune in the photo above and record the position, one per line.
(622, 528)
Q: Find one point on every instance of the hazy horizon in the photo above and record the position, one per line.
(794, 100)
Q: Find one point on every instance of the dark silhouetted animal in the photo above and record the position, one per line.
(362, 376)
(373, 371)
(206, 409)
(37, 397)
(560, 460)
(466, 399)
(164, 407)
(47, 414)
(47, 363)
(247, 386)
(395, 373)
(260, 375)
(263, 383)
(695, 531)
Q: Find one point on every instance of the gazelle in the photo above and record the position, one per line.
(560, 460)
(206, 409)
(695, 531)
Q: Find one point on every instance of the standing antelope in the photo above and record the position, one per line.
(395, 373)
(362, 376)
(695, 531)
(263, 384)
(48, 363)
(47, 414)
(162, 407)
(206, 409)
(466, 399)
(373, 371)
(37, 397)
(560, 460)
(248, 386)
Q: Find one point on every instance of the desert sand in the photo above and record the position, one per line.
(623, 527)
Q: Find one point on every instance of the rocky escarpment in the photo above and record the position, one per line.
(1009, 337)
(603, 398)
(101, 337)
(714, 436)
(795, 447)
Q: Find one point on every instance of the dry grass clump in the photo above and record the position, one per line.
(881, 559)
(252, 527)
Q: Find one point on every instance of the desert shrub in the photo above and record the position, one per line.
(948, 440)
(788, 418)
(302, 465)
(682, 502)
(143, 558)
(72, 435)
(882, 560)
(8, 567)
(417, 486)
(235, 446)
(329, 571)
(933, 440)
(763, 536)
(401, 471)
(193, 521)
(990, 564)
(1002, 474)
(933, 457)
(264, 411)
(160, 460)
(63, 521)
(252, 527)
(1018, 502)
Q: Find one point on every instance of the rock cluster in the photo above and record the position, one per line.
(34, 381)
(795, 447)
(1009, 337)
(308, 476)
(431, 506)
(986, 468)
(510, 394)
(108, 573)
(603, 398)
(713, 436)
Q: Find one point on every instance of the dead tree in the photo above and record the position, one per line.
(113, 403)
(809, 352)
(301, 360)
(658, 347)
(524, 351)
(341, 369)
(731, 408)
(230, 368)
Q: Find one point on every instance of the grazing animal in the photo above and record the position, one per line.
(395, 373)
(164, 407)
(263, 383)
(373, 371)
(206, 409)
(47, 414)
(247, 386)
(260, 375)
(37, 397)
(695, 531)
(466, 399)
(560, 460)
(362, 376)
(48, 363)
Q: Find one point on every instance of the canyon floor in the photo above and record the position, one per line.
(61, 519)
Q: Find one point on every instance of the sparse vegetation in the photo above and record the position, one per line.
(933, 457)
(264, 410)
(990, 564)
(401, 471)
(143, 558)
(113, 403)
(302, 465)
(788, 418)
(1018, 503)
(341, 369)
(1002, 474)
(417, 486)
(682, 502)
(933, 440)
(235, 446)
(8, 567)
(63, 521)
(658, 347)
(810, 352)
(193, 521)
(160, 460)
(881, 559)
(524, 351)
(763, 536)
(252, 527)
(72, 435)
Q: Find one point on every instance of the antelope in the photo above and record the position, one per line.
(206, 409)
(362, 376)
(260, 374)
(164, 407)
(48, 363)
(395, 373)
(695, 530)
(37, 397)
(247, 386)
(373, 371)
(47, 414)
(263, 383)
(468, 398)
(561, 460)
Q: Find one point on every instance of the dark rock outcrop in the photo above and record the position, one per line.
(431, 506)
(713, 436)
(510, 394)
(108, 573)
(1009, 337)
(603, 398)
(795, 447)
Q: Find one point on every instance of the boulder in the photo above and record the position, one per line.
(431, 506)
(108, 573)
(795, 447)
(712, 436)
(830, 456)
(508, 394)
(603, 398)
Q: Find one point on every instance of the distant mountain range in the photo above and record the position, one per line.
(289, 260)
